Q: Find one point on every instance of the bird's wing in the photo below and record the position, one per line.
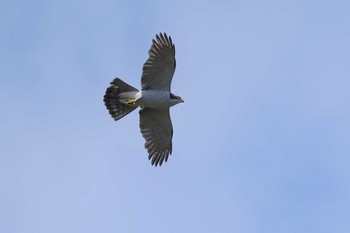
(156, 128)
(159, 68)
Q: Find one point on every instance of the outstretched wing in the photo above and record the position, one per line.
(156, 128)
(159, 68)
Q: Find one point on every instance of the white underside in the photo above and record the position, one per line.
(148, 98)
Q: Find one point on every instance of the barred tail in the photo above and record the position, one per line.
(117, 109)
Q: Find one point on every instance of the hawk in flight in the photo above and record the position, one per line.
(154, 99)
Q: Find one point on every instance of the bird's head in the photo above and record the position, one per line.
(174, 99)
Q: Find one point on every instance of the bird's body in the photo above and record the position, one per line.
(148, 98)
(154, 98)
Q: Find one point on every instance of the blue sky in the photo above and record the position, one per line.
(261, 143)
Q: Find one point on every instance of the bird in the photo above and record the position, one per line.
(154, 99)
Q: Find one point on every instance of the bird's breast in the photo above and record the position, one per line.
(154, 99)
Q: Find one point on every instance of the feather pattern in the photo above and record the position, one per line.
(116, 109)
(159, 68)
(156, 128)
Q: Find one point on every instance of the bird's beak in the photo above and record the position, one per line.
(182, 100)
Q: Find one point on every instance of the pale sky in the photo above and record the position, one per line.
(261, 144)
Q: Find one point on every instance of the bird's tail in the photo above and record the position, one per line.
(116, 108)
